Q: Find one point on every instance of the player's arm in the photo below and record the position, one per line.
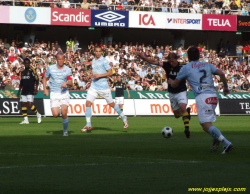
(128, 92)
(36, 80)
(20, 88)
(45, 90)
(107, 74)
(69, 82)
(182, 75)
(149, 60)
(224, 81)
(174, 83)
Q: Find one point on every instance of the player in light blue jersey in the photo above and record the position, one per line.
(59, 80)
(199, 75)
(99, 86)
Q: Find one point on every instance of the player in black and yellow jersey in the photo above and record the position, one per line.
(28, 85)
(119, 86)
(178, 95)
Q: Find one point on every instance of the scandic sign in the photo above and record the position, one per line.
(219, 22)
(70, 17)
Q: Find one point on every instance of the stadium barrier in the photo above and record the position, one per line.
(141, 103)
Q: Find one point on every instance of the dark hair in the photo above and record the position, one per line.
(193, 54)
(26, 59)
(172, 56)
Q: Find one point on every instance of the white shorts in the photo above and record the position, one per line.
(178, 98)
(58, 99)
(206, 104)
(27, 98)
(119, 100)
(93, 93)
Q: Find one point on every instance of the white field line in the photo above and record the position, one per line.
(98, 156)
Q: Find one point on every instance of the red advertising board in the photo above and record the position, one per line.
(70, 17)
(219, 22)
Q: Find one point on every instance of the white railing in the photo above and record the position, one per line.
(59, 4)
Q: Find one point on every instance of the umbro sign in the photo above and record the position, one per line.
(109, 18)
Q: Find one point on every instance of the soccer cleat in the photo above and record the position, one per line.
(125, 123)
(87, 129)
(24, 122)
(39, 118)
(188, 110)
(227, 148)
(187, 132)
(65, 133)
(215, 145)
(119, 117)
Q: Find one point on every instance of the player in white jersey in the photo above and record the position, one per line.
(60, 80)
(99, 86)
(199, 75)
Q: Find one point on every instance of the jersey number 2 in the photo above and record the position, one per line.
(204, 75)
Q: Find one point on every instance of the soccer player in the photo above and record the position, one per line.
(119, 87)
(199, 75)
(178, 95)
(28, 85)
(60, 78)
(99, 86)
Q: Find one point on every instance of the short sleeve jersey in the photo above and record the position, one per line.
(58, 77)
(100, 66)
(199, 75)
(28, 80)
(172, 73)
(119, 88)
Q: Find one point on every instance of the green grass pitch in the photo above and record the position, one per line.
(37, 159)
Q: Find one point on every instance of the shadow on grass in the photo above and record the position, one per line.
(58, 132)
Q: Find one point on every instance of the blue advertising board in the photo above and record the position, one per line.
(104, 18)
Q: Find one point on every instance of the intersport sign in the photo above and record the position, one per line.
(142, 19)
(70, 17)
(219, 22)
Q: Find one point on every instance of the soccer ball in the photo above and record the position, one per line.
(167, 132)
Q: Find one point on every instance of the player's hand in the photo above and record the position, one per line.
(18, 95)
(129, 96)
(96, 76)
(46, 92)
(226, 91)
(170, 81)
(64, 85)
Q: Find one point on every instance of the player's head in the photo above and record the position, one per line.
(98, 51)
(26, 63)
(60, 59)
(193, 54)
(172, 59)
(119, 78)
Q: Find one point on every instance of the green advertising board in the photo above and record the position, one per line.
(134, 95)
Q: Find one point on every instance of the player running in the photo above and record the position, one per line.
(60, 80)
(199, 75)
(28, 85)
(99, 86)
(119, 87)
(178, 95)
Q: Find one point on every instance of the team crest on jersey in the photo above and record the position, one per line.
(28, 73)
(64, 70)
(212, 100)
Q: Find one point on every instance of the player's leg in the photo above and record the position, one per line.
(207, 115)
(185, 118)
(30, 99)
(65, 121)
(108, 97)
(91, 96)
(23, 101)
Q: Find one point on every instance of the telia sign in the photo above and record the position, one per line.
(219, 22)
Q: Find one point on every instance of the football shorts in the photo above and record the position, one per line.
(178, 98)
(27, 98)
(206, 104)
(93, 93)
(119, 100)
(58, 99)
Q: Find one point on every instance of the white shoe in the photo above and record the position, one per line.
(25, 122)
(119, 117)
(65, 133)
(125, 123)
(39, 118)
